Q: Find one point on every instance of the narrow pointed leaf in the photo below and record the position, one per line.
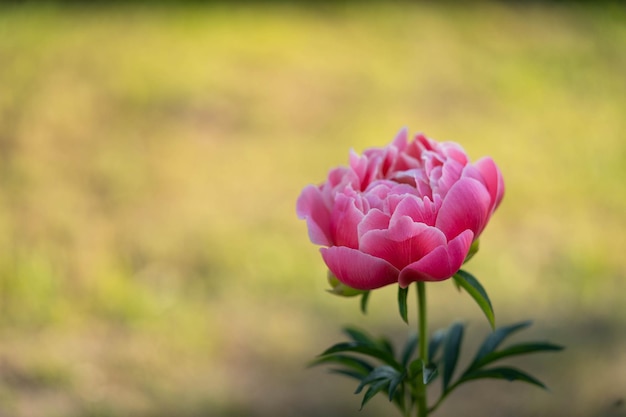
(415, 368)
(374, 389)
(347, 372)
(394, 384)
(355, 347)
(386, 345)
(382, 372)
(356, 364)
(429, 373)
(364, 299)
(496, 338)
(514, 350)
(359, 336)
(507, 373)
(409, 349)
(435, 343)
(451, 348)
(477, 292)
(402, 296)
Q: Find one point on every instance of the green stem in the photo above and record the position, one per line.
(422, 408)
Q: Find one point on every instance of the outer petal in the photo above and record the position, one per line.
(466, 206)
(492, 177)
(357, 269)
(441, 263)
(310, 206)
(345, 218)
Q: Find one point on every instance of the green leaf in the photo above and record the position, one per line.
(451, 348)
(496, 338)
(415, 368)
(514, 350)
(364, 299)
(356, 364)
(394, 384)
(507, 373)
(382, 372)
(373, 390)
(359, 336)
(409, 349)
(402, 296)
(386, 345)
(347, 372)
(477, 292)
(364, 349)
(435, 343)
(429, 373)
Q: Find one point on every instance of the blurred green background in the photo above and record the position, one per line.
(151, 262)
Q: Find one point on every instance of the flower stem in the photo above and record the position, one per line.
(422, 408)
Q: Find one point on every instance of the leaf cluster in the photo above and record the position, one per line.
(378, 368)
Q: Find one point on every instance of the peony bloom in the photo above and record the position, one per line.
(407, 212)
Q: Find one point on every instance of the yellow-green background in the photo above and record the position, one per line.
(151, 262)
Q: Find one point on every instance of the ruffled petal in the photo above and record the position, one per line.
(345, 218)
(441, 263)
(466, 206)
(310, 206)
(373, 220)
(357, 269)
(403, 243)
(421, 210)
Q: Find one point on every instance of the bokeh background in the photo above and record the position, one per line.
(151, 262)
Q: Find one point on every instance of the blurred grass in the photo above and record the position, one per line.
(150, 158)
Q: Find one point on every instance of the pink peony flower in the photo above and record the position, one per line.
(407, 212)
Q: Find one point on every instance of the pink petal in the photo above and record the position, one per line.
(403, 243)
(450, 174)
(421, 210)
(466, 206)
(443, 262)
(373, 220)
(345, 218)
(310, 206)
(401, 138)
(357, 269)
(492, 177)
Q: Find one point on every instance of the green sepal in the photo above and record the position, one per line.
(470, 284)
(451, 349)
(341, 289)
(507, 373)
(472, 251)
(402, 296)
(364, 300)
